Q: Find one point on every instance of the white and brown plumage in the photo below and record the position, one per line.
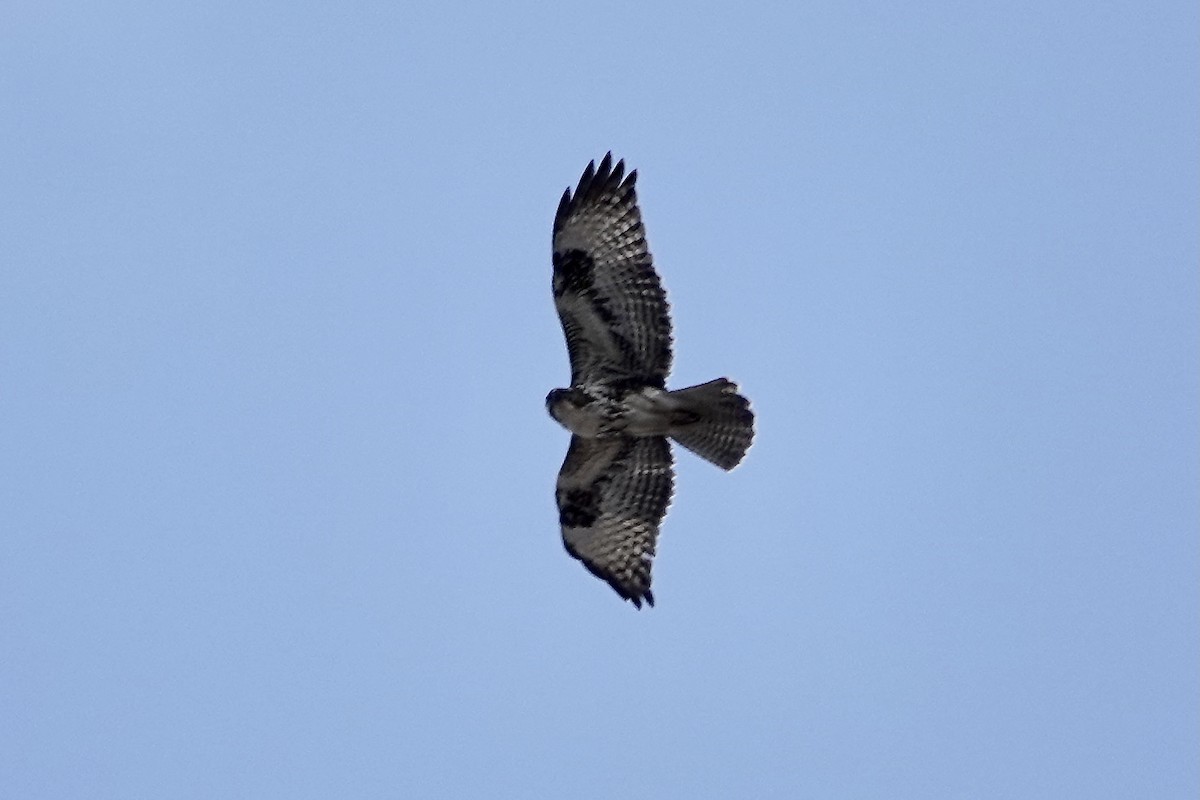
(616, 482)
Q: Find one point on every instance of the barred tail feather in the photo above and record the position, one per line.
(713, 421)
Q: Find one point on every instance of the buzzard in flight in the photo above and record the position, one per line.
(616, 482)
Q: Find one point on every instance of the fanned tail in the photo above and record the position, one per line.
(713, 421)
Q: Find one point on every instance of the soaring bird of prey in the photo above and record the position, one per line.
(616, 482)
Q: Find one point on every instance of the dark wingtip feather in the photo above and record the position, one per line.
(633, 592)
(646, 596)
(564, 207)
(594, 182)
(617, 173)
(585, 180)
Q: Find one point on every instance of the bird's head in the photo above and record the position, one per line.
(557, 400)
(561, 402)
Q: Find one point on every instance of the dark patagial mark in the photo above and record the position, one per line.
(579, 508)
(573, 272)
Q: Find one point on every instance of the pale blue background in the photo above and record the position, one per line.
(276, 481)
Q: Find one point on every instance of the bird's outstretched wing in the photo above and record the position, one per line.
(612, 495)
(612, 305)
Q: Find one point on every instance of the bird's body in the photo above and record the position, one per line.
(597, 412)
(616, 482)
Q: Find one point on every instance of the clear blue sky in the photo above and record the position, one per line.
(276, 480)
